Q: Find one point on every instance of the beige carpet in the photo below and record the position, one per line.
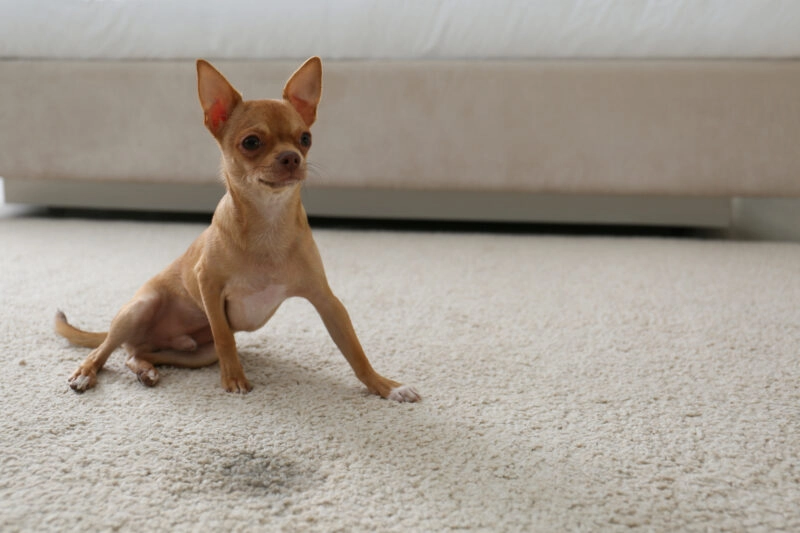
(569, 383)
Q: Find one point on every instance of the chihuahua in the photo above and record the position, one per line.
(257, 252)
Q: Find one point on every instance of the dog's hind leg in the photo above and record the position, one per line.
(131, 319)
(203, 355)
(143, 363)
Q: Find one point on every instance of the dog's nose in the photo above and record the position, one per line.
(289, 160)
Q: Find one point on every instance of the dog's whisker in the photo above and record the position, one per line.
(316, 170)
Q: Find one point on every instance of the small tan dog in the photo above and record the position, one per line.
(257, 252)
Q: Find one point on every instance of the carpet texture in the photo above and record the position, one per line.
(569, 383)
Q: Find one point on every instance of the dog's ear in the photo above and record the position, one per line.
(217, 97)
(304, 89)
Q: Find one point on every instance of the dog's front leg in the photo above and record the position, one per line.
(340, 328)
(231, 371)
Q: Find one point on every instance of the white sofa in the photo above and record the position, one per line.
(560, 111)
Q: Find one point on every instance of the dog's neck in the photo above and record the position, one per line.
(267, 222)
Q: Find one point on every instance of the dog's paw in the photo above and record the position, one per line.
(82, 380)
(404, 393)
(148, 378)
(236, 384)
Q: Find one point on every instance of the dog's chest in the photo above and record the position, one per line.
(248, 309)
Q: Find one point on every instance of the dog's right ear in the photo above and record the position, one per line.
(304, 89)
(217, 97)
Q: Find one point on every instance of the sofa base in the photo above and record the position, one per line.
(701, 212)
(613, 127)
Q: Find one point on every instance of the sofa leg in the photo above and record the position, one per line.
(772, 219)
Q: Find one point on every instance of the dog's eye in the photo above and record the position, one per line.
(251, 142)
(305, 140)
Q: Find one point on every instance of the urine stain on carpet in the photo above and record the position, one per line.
(249, 471)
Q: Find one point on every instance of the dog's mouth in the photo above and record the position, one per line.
(281, 183)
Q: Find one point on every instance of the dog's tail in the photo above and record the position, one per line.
(75, 335)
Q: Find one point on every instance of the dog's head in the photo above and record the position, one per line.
(264, 143)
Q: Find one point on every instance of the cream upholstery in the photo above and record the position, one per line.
(720, 128)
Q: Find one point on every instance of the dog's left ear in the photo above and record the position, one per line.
(304, 89)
